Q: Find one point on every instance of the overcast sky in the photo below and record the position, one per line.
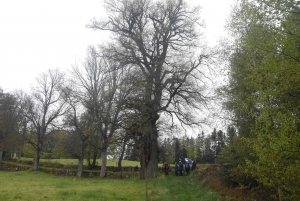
(36, 35)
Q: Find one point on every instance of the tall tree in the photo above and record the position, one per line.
(160, 39)
(79, 126)
(102, 91)
(220, 142)
(123, 142)
(44, 111)
(213, 139)
(199, 146)
(208, 155)
(8, 122)
(231, 132)
(264, 91)
(23, 103)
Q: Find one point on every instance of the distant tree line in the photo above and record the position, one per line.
(18, 138)
(31, 128)
(203, 149)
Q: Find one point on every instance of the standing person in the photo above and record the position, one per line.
(180, 168)
(194, 165)
(167, 169)
(187, 168)
(176, 169)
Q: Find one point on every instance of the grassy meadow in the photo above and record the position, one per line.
(29, 185)
(125, 163)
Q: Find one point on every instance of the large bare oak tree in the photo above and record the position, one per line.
(160, 39)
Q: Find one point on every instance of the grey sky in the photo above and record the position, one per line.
(36, 35)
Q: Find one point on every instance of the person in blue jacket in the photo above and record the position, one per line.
(187, 168)
(180, 168)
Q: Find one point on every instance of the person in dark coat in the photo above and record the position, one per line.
(180, 168)
(187, 168)
(167, 169)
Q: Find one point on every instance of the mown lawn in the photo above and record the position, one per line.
(29, 185)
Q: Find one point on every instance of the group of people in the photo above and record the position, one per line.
(180, 167)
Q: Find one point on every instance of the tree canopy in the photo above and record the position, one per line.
(263, 92)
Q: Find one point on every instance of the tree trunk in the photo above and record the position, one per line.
(1, 154)
(80, 166)
(80, 160)
(22, 140)
(152, 167)
(120, 164)
(149, 153)
(20, 153)
(122, 154)
(143, 165)
(36, 159)
(103, 165)
(88, 153)
(95, 158)
(146, 184)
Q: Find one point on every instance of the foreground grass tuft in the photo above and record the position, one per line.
(28, 185)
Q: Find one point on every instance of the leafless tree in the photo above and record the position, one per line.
(78, 126)
(161, 40)
(102, 92)
(44, 110)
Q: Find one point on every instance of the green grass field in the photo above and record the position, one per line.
(125, 163)
(29, 185)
